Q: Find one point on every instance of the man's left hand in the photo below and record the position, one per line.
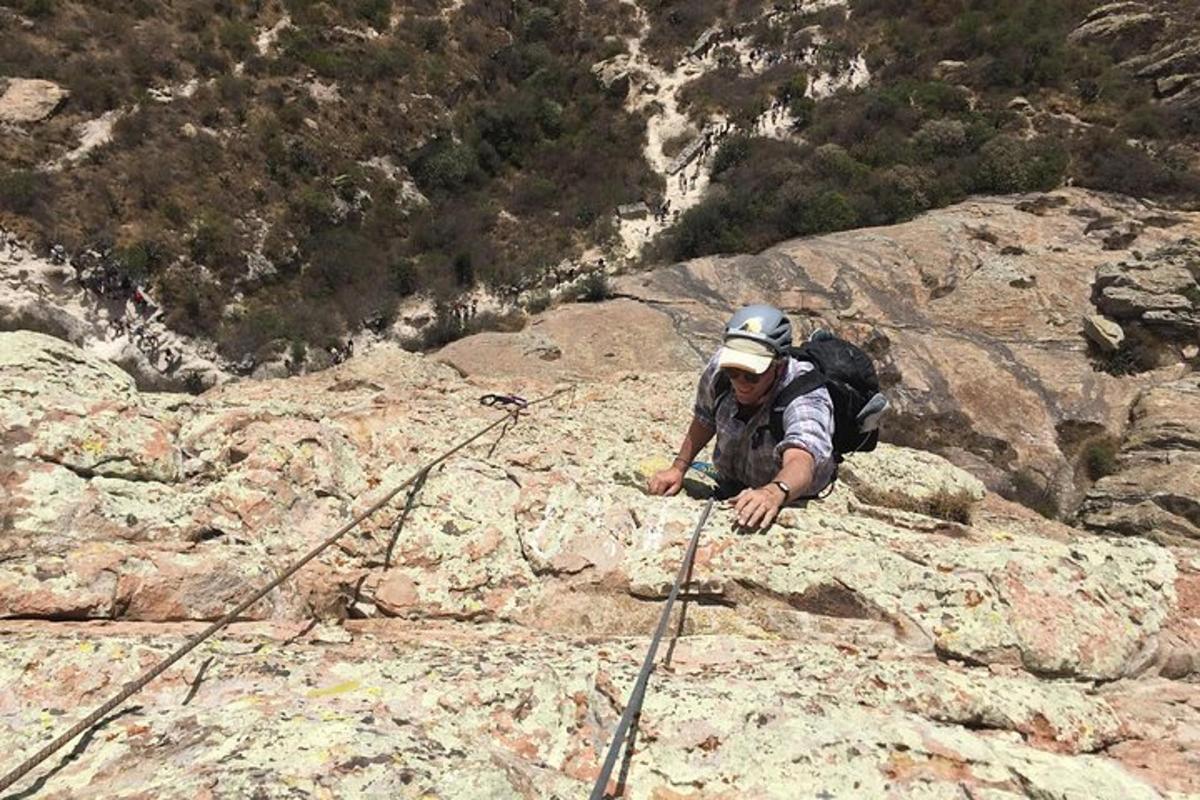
(757, 508)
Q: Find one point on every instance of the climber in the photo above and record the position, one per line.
(759, 474)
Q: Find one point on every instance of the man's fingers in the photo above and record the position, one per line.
(769, 517)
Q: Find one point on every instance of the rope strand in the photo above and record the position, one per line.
(634, 707)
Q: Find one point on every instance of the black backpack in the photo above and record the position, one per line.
(849, 375)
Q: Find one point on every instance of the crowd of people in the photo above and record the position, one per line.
(101, 275)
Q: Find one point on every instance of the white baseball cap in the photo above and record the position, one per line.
(745, 354)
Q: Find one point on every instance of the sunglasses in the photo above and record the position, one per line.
(741, 376)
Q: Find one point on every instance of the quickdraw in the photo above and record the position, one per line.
(504, 400)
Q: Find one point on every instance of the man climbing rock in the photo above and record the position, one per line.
(759, 473)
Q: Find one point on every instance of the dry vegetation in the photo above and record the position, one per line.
(942, 504)
(493, 112)
(912, 141)
(489, 109)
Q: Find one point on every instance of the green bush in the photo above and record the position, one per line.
(733, 151)
(377, 13)
(237, 36)
(593, 288)
(1105, 161)
(825, 211)
(430, 33)
(18, 191)
(831, 162)
(214, 242)
(1008, 165)
(141, 259)
(801, 110)
(192, 302)
(444, 165)
(940, 137)
(537, 302)
(39, 9)
(1100, 457)
(713, 226)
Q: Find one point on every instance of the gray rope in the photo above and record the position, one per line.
(136, 685)
(634, 706)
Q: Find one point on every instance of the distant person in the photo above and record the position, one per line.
(758, 473)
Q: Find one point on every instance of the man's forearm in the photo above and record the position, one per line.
(796, 472)
(698, 434)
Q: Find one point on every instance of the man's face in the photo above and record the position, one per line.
(750, 389)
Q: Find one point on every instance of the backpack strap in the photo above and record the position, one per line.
(813, 379)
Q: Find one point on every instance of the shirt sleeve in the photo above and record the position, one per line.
(704, 408)
(808, 424)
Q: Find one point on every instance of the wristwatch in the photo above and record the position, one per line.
(787, 490)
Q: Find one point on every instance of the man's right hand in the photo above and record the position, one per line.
(667, 482)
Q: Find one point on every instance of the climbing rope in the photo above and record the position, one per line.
(512, 410)
(634, 707)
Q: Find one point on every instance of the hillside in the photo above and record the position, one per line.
(282, 176)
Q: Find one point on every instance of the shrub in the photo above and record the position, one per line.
(793, 88)
(801, 110)
(1107, 162)
(1100, 457)
(37, 8)
(193, 303)
(237, 36)
(1008, 165)
(132, 129)
(18, 191)
(444, 165)
(832, 162)
(940, 137)
(900, 192)
(943, 504)
(713, 226)
(733, 151)
(377, 13)
(140, 259)
(593, 288)
(214, 242)
(538, 302)
(822, 212)
(430, 33)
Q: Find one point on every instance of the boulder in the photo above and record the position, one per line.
(1103, 332)
(28, 100)
(1122, 28)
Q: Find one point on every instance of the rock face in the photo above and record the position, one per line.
(26, 100)
(1154, 491)
(972, 311)
(1162, 290)
(1121, 27)
(483, 642)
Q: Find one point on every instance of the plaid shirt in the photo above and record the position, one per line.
(746, 452)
